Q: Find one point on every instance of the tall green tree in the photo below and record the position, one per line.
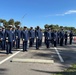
(46, 25)
(5, 23)
(11, 22)
(61, 27)
(0, 22)
(17, 23)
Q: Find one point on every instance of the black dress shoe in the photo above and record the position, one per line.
(23, 51)
(26, 50)
(10, 52)
(7, 53)
(37, 48)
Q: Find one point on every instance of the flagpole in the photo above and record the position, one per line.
(22, 18)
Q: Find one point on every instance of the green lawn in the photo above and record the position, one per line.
(69, 71)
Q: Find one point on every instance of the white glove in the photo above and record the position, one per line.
(23, 39)
(6, 37)
(1, 38)
(37, 37)
(16, 37)
(6, 40)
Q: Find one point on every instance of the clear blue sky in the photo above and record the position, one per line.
(39, 12)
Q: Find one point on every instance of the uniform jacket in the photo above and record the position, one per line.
(9, 36)
(18, 33)
(25, 35)
(38, 34)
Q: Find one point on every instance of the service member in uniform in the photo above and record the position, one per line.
(9, 40)
(13, 31)
(58, 37)
(38, 36)
(61, 37)
(55, 38)
(4, 35)
(52, 36)
(48, 38)
(18, 36)
(31, 35)
(45, 35)
(1, 37)
(25, 37)
(41, 36)
(65, 37)
(70, 37)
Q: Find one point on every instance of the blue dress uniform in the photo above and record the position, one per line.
(1, 37)
(4, 36)
(25, 36)
(58, 38)
(41, 36)
(61, 38)
(48, 38)
(45, 36)
(38, 36)
(70, 37)
(55, 39)
(52, 36)
(9, 41)
(65, 36)
(17, 37)
(31, 36)
(13, 31)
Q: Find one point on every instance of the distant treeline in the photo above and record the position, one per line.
(58, 27)
(16, 23)
(10, 22)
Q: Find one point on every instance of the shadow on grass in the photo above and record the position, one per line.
(56, 73)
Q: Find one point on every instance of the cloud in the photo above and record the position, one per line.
(70, 12)
(65, 13)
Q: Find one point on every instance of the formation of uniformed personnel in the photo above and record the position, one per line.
(10, 38)
(57, 37)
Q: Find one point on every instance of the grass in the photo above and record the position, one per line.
(69, 71)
